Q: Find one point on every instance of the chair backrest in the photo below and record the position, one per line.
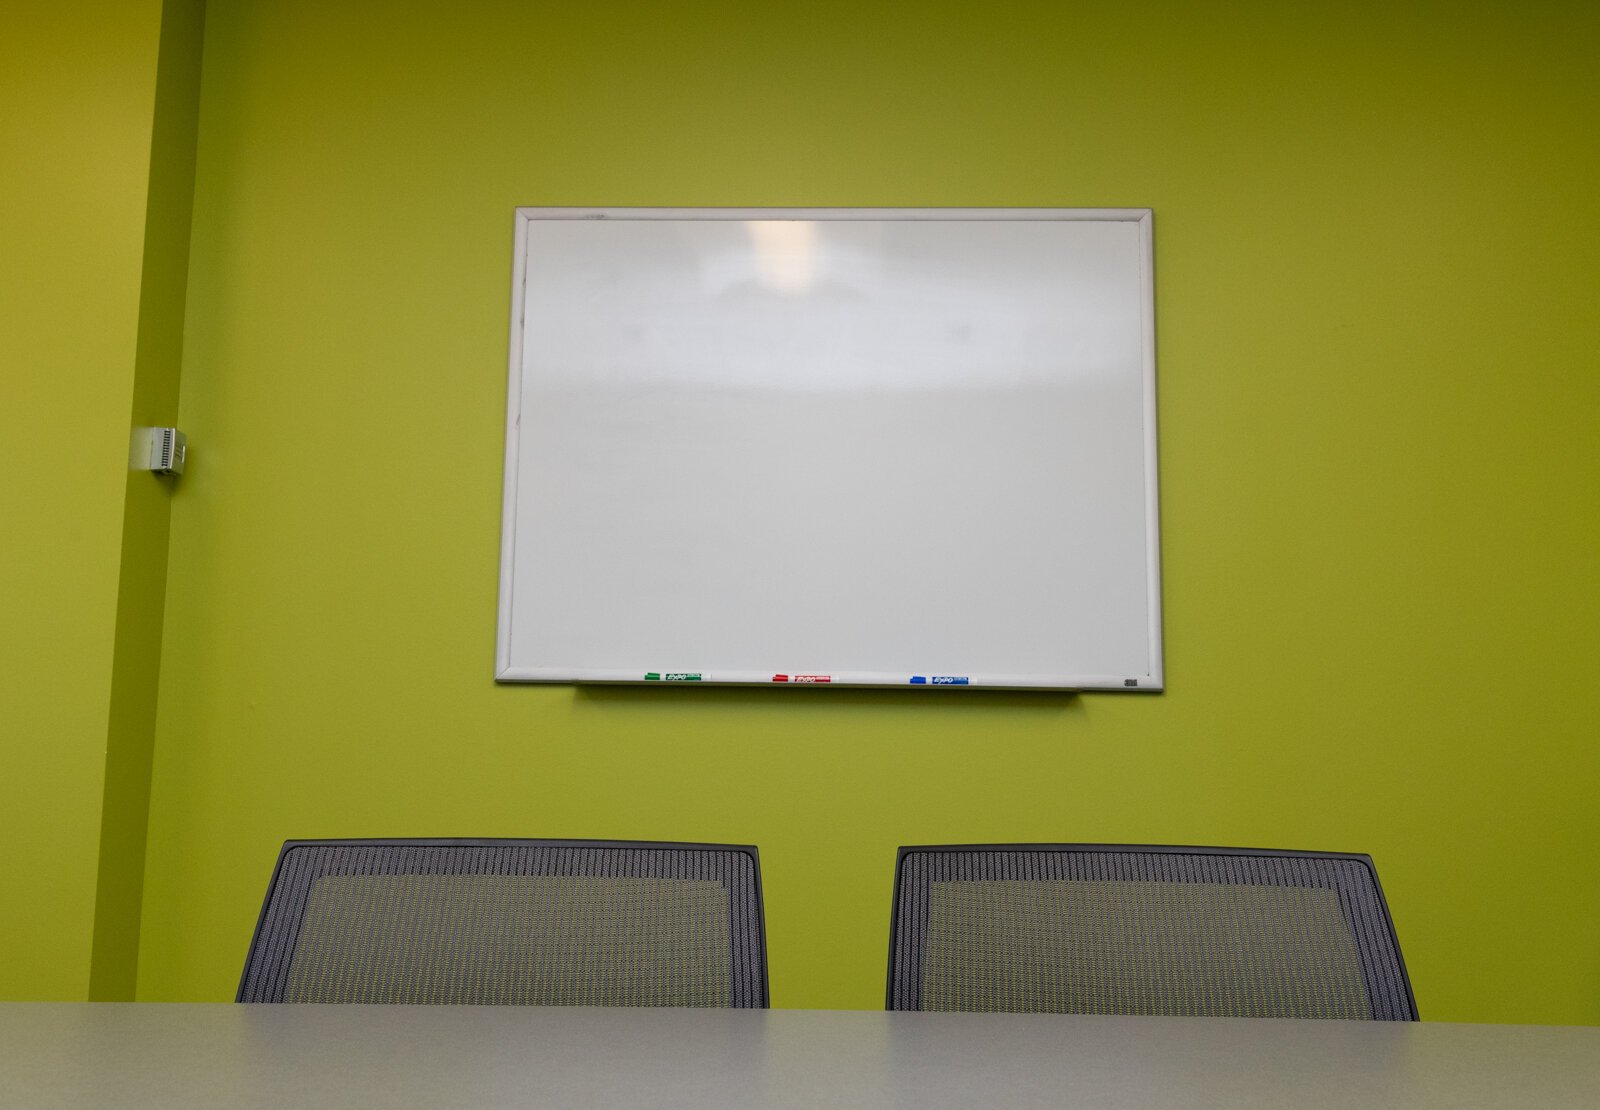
(1119, 929)
(516, 922)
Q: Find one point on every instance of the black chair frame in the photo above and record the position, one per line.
(896, 940)
(755, 943)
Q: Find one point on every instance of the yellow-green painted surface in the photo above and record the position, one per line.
(141, 588)
(77, 86)
(1375, 237)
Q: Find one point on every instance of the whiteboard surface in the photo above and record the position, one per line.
(885, 447)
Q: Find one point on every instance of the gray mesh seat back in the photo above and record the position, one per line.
(1119, 929)
(514, 922)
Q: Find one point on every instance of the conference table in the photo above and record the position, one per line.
(191, 1055)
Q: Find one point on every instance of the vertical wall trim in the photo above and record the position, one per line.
(147, 508)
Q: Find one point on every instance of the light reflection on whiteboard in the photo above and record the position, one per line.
(859, 305)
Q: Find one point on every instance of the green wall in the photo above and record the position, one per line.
(93, 222)
(147, 505)
(1375, 240)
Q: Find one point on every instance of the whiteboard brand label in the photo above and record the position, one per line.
(673, 676)
(802, 678)
(939, 680)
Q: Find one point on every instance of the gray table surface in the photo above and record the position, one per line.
(181, 1055)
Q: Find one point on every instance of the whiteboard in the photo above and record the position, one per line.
(884, 447)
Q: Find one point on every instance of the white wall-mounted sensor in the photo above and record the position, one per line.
(159, 449)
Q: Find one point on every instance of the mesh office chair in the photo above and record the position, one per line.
(1114, 929)
(517, 922)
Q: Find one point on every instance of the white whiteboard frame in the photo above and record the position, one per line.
(1151, 681)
